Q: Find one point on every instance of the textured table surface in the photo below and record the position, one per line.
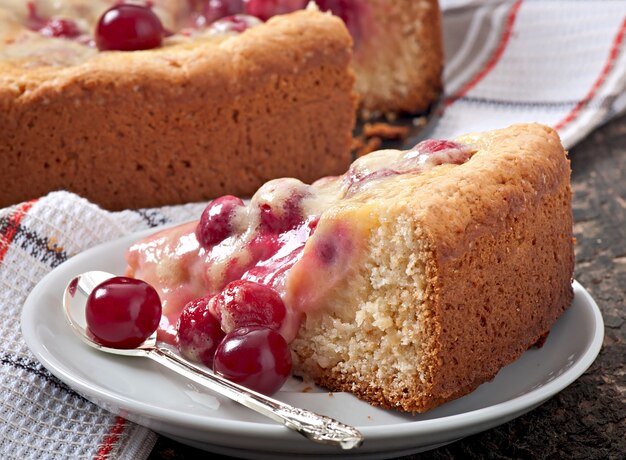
(587, 420)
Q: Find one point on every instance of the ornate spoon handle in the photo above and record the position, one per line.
(313, 426)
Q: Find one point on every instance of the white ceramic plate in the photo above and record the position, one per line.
(142, 391)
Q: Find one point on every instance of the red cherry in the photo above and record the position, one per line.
(199, 332)
(129, 28)
(123, 312)
(347, 10)
(246, 303)
(215, 223)
(265, 9)
(255, 357)
(436, 145)
(61, 28)
(236, 23)
(217, 9)
(286, 216)
(262, 9)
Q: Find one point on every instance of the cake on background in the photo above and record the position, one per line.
(215, 108)
(187, 121)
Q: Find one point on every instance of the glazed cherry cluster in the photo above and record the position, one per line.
(236, 334)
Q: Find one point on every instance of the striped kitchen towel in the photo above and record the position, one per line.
(557, 62)
(561, 63)
(40, 417)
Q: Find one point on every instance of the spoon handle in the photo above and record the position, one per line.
(315, 427)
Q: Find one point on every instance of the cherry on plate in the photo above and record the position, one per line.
(199, 332)
(215, 224)
(123, 312)
(246, 303)
(255, 357)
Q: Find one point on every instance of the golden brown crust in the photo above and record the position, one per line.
(502, 280)
(183, 123)
(494, 238)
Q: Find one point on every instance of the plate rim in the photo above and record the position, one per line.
(518, 404)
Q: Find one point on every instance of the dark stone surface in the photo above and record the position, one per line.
(587, 420)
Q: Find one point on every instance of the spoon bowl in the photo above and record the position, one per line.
(317, 428)
(74, 306)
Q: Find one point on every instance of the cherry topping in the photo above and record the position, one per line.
(123, 312)
(212, 10)
(128, 27)
(434, 152)
(347, 10)
(281, 216)
(216, 221)
(60, 28)
(435, 145)
(265, 9)
(199, 332)
(246, 303)
(236, 23)
(255, 357)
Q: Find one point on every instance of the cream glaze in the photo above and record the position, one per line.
(302, 261)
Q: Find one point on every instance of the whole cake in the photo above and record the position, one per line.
(209, 111)
(197, 105)
(408, 281)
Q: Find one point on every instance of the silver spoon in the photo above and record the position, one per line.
(318, 428)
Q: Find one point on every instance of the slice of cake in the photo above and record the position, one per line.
(210, 110)
(408, 281)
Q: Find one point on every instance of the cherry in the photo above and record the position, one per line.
(347, 10)
(265, 9)
(217, 9)
(236, 23)
(255, 357)
(198, 332)
(216, 221)
(282, 215)
(246, 303)
(60, 28)
(434, 152)
(435, 145)
(129, 27)
(123, 312)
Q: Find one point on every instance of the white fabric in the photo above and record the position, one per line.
(40, 417)
(561, 63)
(557, 54)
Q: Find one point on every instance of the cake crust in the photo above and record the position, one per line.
(485, 272)
(185, 122)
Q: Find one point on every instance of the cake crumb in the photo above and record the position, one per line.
(331, 394)
(362, 147)
(53, 246)
(385, 131)
(420, 121)
(307, 390)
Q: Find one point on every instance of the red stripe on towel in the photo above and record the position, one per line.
(495, 57)
(608, 65)
(7, 235)
(111, 439)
